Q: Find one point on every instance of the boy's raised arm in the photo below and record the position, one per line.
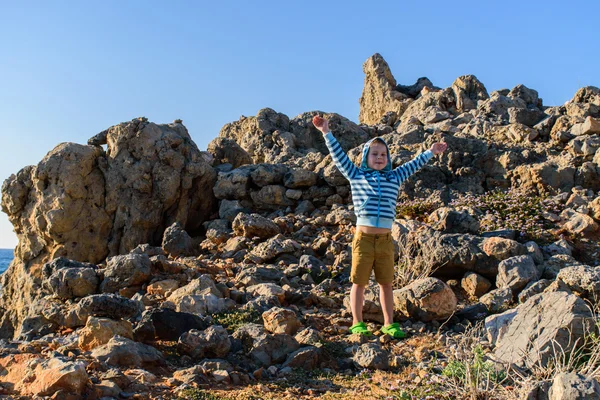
(340, 158)
(404, 171)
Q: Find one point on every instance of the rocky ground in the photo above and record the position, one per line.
(149, 269)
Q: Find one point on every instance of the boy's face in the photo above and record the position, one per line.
(377, 157)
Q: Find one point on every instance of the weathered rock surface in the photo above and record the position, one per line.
(574, 386)
(99, 331)
(33, 376)
(426, 299)
(84, 204)
(531, 336)
(120, 351)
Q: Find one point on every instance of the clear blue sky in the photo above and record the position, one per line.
(70, 69)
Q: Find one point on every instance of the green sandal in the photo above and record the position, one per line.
(394, 331)
(361, 329)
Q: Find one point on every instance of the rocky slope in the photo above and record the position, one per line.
(146, 267)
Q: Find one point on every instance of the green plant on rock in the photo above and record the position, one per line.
(233, 319)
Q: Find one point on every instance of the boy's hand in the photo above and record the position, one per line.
(321, 124)
(439, 148)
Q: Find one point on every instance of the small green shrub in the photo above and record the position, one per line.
(233, 319)
(473, 372)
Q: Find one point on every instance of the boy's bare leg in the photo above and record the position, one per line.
(386, 297)
(357, 298)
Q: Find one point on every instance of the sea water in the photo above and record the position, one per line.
(6, 256)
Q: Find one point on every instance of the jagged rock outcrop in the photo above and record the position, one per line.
(84, 203)
(380, 94)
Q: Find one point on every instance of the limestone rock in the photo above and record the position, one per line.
(553, 265)
(234, 185)
(305, 357)
(578, 223)
(227, 151)
(176, 242)
(582, 279)
(299, 178)
(426, 300)
(162, 288)
(251, 225)
(532, 289)
(123, 352)
(33, 376)
(99, 331)
(265, 349)
(372, 356)
(212, 342)
(516, 272)
(379, 92)
(270, 249)
(501, 248)
(267, 289)
(124, 271)
(281, 320)
(468, 91)
(169, 182)
(498, 300)
(532, 335)
(108, 306)
(567, 385)
(451, 221)
(256, 134)
(497, 325)
(68, 279)
(475, 284)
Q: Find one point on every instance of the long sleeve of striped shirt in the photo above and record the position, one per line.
(404, 171)
(340, 158)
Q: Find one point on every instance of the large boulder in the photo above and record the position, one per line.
(533, 336)
(84, 203)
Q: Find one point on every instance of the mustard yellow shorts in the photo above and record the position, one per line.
(372, 252)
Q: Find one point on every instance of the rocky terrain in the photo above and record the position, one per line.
(149, 269)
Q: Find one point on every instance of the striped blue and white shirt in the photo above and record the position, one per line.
(374, 193)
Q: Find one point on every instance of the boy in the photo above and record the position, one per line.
(374, 187)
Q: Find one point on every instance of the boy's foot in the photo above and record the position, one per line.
(394, 331)
(361, 329)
